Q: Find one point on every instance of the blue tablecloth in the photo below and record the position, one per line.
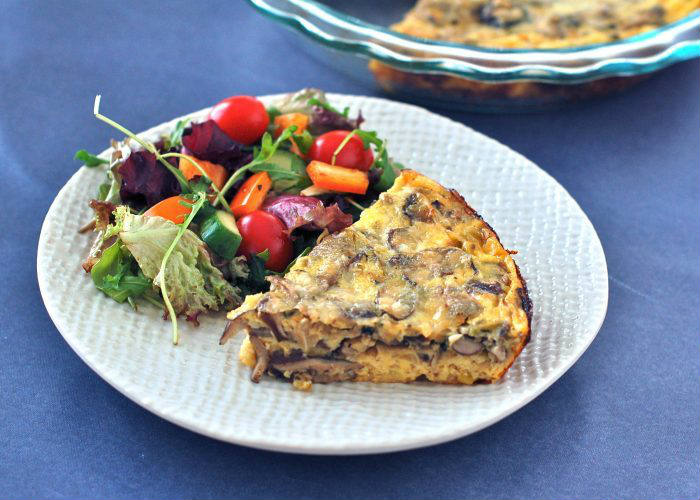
(623, 422)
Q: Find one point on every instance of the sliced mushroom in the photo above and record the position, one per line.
(467, 346)
(460, 303)
(271, 322)
(362, 310)
(430, 263)
(233, 326)
(262, 358)
(443, 261)
(490, 272)
(414, 270)
(279, 356)
(321, 370)
(505, 329)
(397, 301)
(414, 208)
(400, 239)
(492, 288)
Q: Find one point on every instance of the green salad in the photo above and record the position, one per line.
(199, 219)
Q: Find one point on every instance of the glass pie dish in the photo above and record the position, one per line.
(477, 78)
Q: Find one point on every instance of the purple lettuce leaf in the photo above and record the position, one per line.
(307, 212)
(145, 181)
(208, 142)
(324, 120)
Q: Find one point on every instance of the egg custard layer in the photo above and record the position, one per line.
(419, 287)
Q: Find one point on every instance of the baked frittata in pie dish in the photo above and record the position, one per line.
(538, 24)
(419, 288)
(525, 25)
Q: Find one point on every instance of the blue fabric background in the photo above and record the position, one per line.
(623, 422)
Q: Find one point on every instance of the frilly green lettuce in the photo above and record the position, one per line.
(298, 102)
(194, 285)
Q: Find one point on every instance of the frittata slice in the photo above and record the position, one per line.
(419, 287)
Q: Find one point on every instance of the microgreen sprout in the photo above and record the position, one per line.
(200, 199)
(342, 144)
(145, 144)
(354, 203)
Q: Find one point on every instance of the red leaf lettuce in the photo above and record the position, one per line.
(324, 120)
(307, 212)
(145, 181)
(208, 142)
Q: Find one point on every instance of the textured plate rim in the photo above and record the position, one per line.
(430, 439)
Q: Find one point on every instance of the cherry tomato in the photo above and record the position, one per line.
(353, 154)
(243, 118)
(263, 231)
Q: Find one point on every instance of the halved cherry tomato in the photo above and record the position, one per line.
(251, 194)
(287, 120)
(263, 231)
(335, 178)
(216, 173)
(352, 155)
(173, 209)
(243, 118)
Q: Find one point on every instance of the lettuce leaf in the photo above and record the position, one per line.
(298, 102)
(324, 120)
(118, 276)
(145, 181)
(323, 116)
(194, 285)
(307, 212)
(208, 142)
(90, 160)
(103, 213)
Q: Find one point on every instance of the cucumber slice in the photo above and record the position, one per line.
(284, 160)
(221, 234)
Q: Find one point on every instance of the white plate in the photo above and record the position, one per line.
(201, 385)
